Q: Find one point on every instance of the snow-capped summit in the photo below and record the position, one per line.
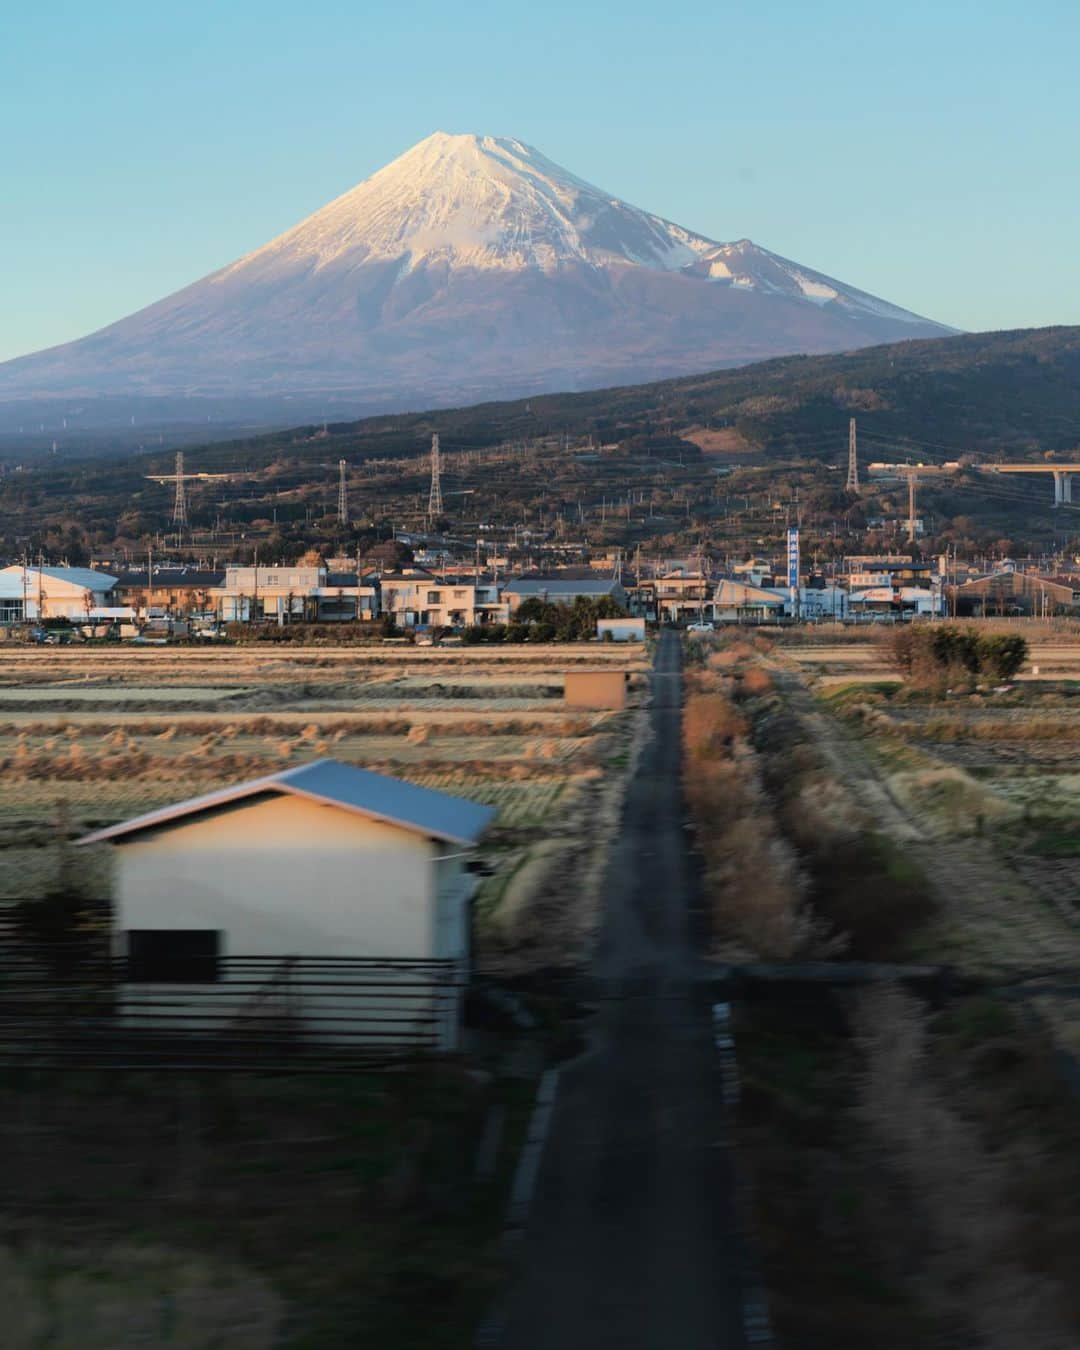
(479, 201)
(471, 266)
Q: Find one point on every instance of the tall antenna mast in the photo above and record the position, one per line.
(435, 506)
(179, 513)
(852, 484)
(342, 495)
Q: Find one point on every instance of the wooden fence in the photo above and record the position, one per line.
(69, 1004)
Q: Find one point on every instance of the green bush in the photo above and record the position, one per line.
(1001, 655)
(948, 653)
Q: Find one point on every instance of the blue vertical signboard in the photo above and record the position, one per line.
(793, 570)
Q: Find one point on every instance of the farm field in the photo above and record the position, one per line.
(91, 737)
(982, 792)
(924, 828)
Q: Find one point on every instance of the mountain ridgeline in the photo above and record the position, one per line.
(471, 267)
(1009, 394)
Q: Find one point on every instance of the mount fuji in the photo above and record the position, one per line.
(471, 267)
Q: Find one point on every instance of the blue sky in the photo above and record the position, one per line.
(927, 152)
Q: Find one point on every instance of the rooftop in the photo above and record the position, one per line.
(560, 586)
(422, 810)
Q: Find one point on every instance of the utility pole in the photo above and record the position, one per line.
(179, 514)
(435, 503)
(342, 495)
(852, 484)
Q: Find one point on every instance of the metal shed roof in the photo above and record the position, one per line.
(421, 810)
(74, 576)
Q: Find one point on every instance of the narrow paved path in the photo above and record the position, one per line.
(630, 1243)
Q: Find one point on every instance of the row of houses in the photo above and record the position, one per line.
(868, 587)
(413, 597)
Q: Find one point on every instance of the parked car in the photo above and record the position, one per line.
(702, 626)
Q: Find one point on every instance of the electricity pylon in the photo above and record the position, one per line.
(435, 504)
(852, 484)
(342, 495)
(179, 514)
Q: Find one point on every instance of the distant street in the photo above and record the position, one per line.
(630, 1241)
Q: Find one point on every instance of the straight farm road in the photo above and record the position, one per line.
(631, 1241)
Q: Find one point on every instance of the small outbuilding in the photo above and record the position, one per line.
(594, 689)
(321, 861)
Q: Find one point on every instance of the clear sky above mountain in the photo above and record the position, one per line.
(925, 152)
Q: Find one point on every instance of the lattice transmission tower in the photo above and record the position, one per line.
(435, 506)
(342, 495)
(852, 459)
(179, 513)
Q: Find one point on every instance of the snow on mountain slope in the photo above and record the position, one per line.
(479, 201)
(469, 267)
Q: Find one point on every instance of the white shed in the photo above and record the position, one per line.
(323, 861)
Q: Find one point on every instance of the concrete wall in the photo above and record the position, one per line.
(594, 689)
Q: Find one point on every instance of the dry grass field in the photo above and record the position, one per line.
(914, 1159)
(306, 1211)
(88, 737)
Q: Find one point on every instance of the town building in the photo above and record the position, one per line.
(171, 592)
(294, 593)
(39, 593)
(900, 602)
(740, 602)
(683, 597)
(1011, 592)
(414, 598)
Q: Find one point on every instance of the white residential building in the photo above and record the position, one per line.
(418, 599)
(294, 593)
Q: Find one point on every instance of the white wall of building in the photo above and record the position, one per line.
(284, 876)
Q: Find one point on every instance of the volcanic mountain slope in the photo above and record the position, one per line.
(469, 267)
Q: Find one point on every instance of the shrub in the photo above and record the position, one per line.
(755, 683)
(946, 655)
(1001, 655)
(866, 888)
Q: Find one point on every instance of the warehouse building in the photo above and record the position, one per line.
(30, 594)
